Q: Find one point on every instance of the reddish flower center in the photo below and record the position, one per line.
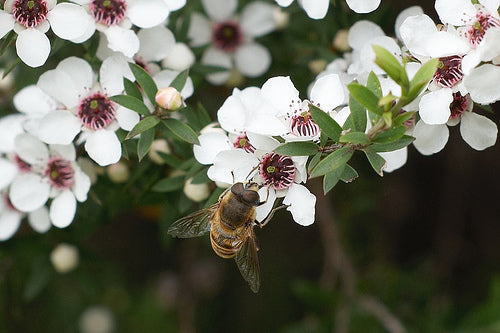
(459, 105)
(21, 165)
(30, 13)
(449, 71)
(303, 125)
(96, 111)
(108, 12)
(277, 170)
(484, 21)
(243, 143)
(60, 173)
(227, 36)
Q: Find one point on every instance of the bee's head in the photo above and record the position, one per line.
(247, 192)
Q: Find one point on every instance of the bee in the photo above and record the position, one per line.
(230, 222)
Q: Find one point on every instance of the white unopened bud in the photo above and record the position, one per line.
(281, 18)
(196, 192)
(235, 78)
(180, 58)
(7, 82)
(64, 258)
(169, 98)
(317, 66)
(118, 172)
(158, 146)
(212, 128)
(97, 319)
(340, 42)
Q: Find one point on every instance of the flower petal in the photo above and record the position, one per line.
(482, 84)
(33, 101)
(122, 40)
(68, 21)
(403, 15)
(174, 5)
(435, 106)
(363, 6)
(63, 209)
(328, 92)
(10, 127)
(39, 220)
(28, 192)
(478, 131)
(59, 127)
(6, 23)
(252, 59)
(257, 19)
(81, 186)
(200, 30)
(232, 166)
(33, 47)
(112, 72)
(216, 57)
(455, 12)
(180, 58)
(220, 10)
(210, 145)
(268, 195)
(279, 91)
(315, 9)
(156, 43)
(394, 159)
(361, 32)
(9, 223)
(430, 139)
(148, 13)
(126, 117)
(301, 204)
(31, 150)
(8, 170)
(103, 147)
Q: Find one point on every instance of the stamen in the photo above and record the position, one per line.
(30, 13)
(449, 71)
(60, 173)
(227, 36)
(96, 111)
(277, 170)
(108, 12)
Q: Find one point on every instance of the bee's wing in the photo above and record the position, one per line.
(193, 225)
(248, 261)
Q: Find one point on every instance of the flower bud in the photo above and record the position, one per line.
(158, 146)
(97, 319)
(281, 18)
(169, 98)
(118, 172)
(180, 58)
(64, 258)
(317, 66)
(340, 42)
(196, 192)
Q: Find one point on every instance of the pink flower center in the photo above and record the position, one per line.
(459, 105)
(30, 13)
(60, 173)
(108, 12)
(96, 111)
(484, 21)
(243, 143)
(300, 121)
(227, 36)
(449, 71)
(277, 170)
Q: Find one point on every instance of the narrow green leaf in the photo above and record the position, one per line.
(181, 130)
(145, 81)
(422, 78)
(170, 160)
(389, 64)
(349, 174)
(203, 115)
(328, 126)
(390, 135)
(132, 89)
(358, 114)
(298, 148)
(355, 137)
(402, 118)
(201, 177)
(314, 160)
(402, 142)
(169, 184)
(376, 161)
(373, 84)
(333, 161)
(331, 179)
(7, 41)
(142, 126)
(364, 96)
(180, 80)
(132, 103)
(145, 142)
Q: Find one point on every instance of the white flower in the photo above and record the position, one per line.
(53, 174)
(317, 9)
(84, 107)
(31, 19)
(232, 37)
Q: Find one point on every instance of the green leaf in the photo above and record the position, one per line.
(180, 80)
(358, 114)
(7, 41)
(402, 142)
(391, 134)
(169, 184)
(373, 84)
(402, 118)
(355, 137)
(328, 126)
(331, 179)
(333, 161)
(314, 160)
(132, 89)
(203, 116)
(201, 177)
(142, 126)
(170, 160)
(348, 174)
(145, 142)
(132, 103)
(422, 78)
(181, 130)
(145, 81)
(298, 148)
(389, 64)
(364, 96)
(376, 161)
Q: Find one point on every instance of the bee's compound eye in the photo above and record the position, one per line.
(251, 197)
(237, 188)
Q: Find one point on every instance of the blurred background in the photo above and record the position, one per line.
(417, 250)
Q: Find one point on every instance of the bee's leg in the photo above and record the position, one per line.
(267, 197)
(270, 216)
